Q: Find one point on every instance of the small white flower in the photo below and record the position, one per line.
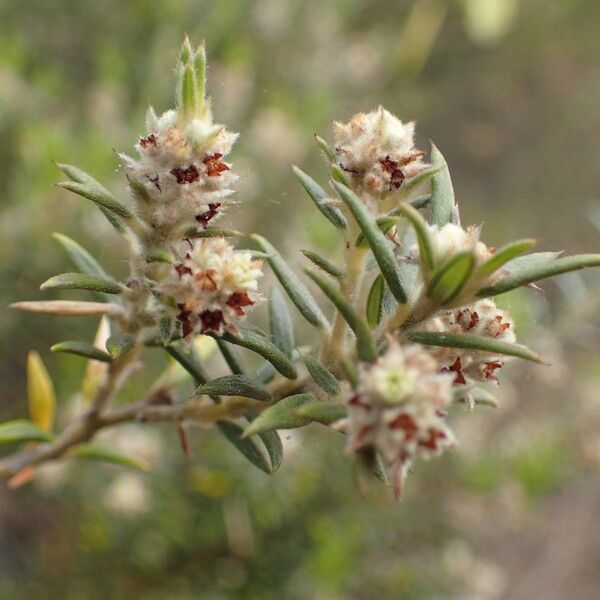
(377, 150)
(484, 319)
(212, 286)
(399, 408)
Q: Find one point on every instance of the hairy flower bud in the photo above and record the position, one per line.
(212, 286)
(378, 152)
(483, 318)
(399, 408)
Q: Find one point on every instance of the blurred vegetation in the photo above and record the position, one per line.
(508, 90)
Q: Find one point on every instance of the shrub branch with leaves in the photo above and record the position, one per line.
(413, 330)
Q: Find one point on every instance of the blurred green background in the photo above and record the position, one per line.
(508, 89)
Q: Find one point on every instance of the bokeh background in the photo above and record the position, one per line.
(508, 89)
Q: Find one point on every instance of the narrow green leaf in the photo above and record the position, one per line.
(160, 256)
(41, 397)
(473, 342)
(503, 255)
(411, 183)
(420, 201)
(384, 223)
(263, 346)
(79, 281)
(100, 196)
(211, 232)
(247, 446)
(233, 361)
(21, 430)
(94, 452)
(274, 447)
(531, 274)
(84, 349)
(295, 289)
(119, 344)
(188, 361)
(322, 376)
(442, 192)
(320, 198)
(326, 148)
(68, 308)
(188, 91)
(82, 259)
(280, 416)
(280, 322)
(338, 174)
(375, 300)
(365, 344)
(234, 385)
(265, 372)
(451, 277)
(322, 412)
(200, 68)
(422, 232)
(323, 264)
(478, 395)
(379, 245)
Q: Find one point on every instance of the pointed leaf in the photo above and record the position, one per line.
(100, 196)
(120, 344)
(40, 393)
(234, 385)
(161, 256)
(247, 446)
(68, 308)
(338, 174)
(94, 452)
(375, 301)
(473, 342)
(384, 223)
(503, 255)
(442, 192)
(280, 322)
(411, 183)
(422, 232)
(549, 268)
(211, 232)
(320, 198)
(82, 349)
(274, 447)
(322, 376)
(231, 358)
(326, 148)
(365, 344)
(21, 430)
(323, 263)
(478, 395)
(322, 412)
(379, 245)
(79, 281)
(82, 259)
(295, 289)
(187, 359)
(263, 346)
(95, 371)
(451, 277)
(280, 415)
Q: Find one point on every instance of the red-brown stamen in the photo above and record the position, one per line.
(211, 320)
(214, 166)
(188, 175)
(213, 210)
(238, 300)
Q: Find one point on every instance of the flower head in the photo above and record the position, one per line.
(212, 286)
(398, 409)
(181, 178)
(377, 150)
(484, 319)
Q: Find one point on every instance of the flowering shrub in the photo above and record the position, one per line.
(413, 330)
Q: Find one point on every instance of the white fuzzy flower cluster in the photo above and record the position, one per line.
(181, 178)
(399, 407)
(452, 239)
(378, 151)
(212, 286)
(484, 319)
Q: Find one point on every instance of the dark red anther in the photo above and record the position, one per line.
(432, 440)
(184, 318)
(156, 182)
(214, 166)
(148, 141)
(490, 368)
(238, 300)
(357, 401)
(405, 422)
(188, 175)
(456, 368)
(211, 320)
(396, 174)
(182, 270)
(213, 210)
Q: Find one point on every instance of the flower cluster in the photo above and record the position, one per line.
(180, 178)
(398, 409)
(484, 319)
(212, 287)
(377, 151)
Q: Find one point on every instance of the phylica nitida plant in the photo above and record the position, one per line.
(413, 331)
